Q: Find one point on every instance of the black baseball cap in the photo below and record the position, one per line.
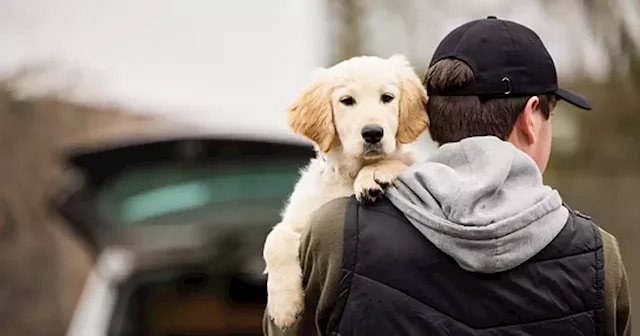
(507, 59)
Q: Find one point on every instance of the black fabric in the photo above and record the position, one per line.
(395, 282)
(507, 59)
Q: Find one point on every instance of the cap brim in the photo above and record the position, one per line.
(574, 99)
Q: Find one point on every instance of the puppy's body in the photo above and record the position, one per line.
(358, 113)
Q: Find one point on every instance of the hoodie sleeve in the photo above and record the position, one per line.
(617, 296)
(321, 260)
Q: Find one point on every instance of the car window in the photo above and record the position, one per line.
(152, 193)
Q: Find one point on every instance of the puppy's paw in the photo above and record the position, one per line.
(374, 180)
(366, 188)
(285, 302)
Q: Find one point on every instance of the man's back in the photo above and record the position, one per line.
(377, 269)
(397, 282)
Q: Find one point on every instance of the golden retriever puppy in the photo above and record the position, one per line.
(358, 113)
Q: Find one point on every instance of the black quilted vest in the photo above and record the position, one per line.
(395, 282)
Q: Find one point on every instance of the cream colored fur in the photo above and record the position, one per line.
(345, 164)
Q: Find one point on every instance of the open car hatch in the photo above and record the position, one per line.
(168, 193)
(177, 226)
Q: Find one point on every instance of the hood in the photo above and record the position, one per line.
(481, 201)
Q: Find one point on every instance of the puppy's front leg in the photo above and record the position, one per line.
(373, 180)
(285, 299)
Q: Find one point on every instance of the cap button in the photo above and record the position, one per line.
(491, 17)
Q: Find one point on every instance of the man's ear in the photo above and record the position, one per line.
(527, 124)
(311, 115)
(412, 118)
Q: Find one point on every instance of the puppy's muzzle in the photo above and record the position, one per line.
(372, 134)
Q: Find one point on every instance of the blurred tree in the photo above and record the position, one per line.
(346, 17)
(614, 24)
(610, 135)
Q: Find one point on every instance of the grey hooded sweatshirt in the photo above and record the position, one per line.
(468, 200)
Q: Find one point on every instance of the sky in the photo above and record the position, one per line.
(232, 63)
(235, 62)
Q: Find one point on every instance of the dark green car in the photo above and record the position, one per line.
(177, 224)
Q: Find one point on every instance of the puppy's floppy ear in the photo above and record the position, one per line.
(312, 115)
(413, 118)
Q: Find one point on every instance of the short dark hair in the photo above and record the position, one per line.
(453, 118)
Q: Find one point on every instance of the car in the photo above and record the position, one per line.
(176, 223)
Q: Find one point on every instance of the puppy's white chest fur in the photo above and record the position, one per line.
(321, 181)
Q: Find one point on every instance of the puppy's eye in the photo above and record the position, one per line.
(386, 98)
(348, 101)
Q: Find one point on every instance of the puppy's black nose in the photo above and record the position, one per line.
(372, 133)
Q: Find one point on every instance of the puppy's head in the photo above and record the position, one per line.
(365, 105)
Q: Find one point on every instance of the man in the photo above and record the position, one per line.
(470, 242)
